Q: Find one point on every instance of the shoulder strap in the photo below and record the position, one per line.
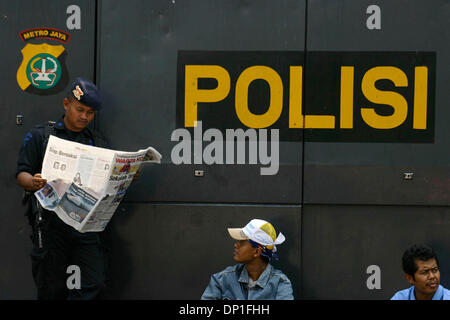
(48, 130)
(99, 140)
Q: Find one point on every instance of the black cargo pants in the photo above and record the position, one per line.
(63, 246)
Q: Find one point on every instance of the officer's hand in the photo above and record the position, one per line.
(38, 182)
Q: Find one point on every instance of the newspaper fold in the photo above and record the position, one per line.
(85, 184)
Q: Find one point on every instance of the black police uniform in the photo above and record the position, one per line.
(62, 245)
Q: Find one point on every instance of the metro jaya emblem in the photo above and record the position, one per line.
(43, 69)
(40, 66)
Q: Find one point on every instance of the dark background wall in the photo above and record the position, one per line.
(358, 209)
(16, 16)
(342, 206)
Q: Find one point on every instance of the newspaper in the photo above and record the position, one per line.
(85, 184)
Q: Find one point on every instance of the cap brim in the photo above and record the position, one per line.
(237, 234)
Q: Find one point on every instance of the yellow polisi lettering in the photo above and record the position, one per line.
(194, 95)
(295, 97)
(420, 98)
(346, 120)
(394, 99)
(296, 118)
(276, 97)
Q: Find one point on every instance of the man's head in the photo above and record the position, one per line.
(81, 104)
(257, 239)
(421, 267)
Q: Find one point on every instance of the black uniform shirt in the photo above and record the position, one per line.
(32, 151)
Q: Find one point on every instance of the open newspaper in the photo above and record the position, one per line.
(85, 184)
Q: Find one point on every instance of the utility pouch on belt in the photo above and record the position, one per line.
(34, 214)
(27, 202)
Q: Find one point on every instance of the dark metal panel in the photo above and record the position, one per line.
(373, 172)
(139, 46)
(244, 184)
(377, 185)
(170, 251)
(340, 242)
(16, 16)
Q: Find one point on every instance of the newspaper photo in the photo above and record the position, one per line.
(85, 184)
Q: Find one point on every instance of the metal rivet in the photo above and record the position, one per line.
(408, 175)
(19, 119)
(198, 173)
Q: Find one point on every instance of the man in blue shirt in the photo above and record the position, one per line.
(253, 278)
(421, 267)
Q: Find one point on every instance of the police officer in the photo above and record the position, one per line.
(56, 245)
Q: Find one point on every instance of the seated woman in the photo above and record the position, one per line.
(253, 278)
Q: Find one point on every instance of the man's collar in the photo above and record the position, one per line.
(60, 124)
(263, 278)
(438, 295)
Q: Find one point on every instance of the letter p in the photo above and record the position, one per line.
(193, 95)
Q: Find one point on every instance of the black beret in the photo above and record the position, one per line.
(87, 93)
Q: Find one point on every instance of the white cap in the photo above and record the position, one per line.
(259, 231)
